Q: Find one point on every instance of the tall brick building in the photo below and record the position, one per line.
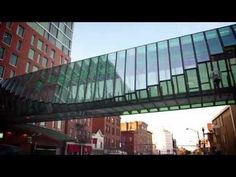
(110, 128)
(30, 46)
(135, 138)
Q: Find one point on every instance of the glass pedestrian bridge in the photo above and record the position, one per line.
(167, 75)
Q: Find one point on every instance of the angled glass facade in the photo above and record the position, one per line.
(167, 75)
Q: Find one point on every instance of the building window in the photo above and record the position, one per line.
(8, 25)
(2, 50)
(18, 45)
(40, 45)
(27, 67)
(32, 40)
(42, 124)
(62, 60)
(53, 124)
(52, 54)
(38, 58)
(1, 71)
(45, 62)
(7, 38)
(59, 125)
(46, 48)
(14, 59)
(20, 31)
(12, 74)
(35, 68)
(31, 54)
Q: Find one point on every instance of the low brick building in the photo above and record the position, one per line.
(135, 138)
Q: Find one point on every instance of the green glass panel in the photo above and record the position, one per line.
(134, 112)
(144, 111)
(231, 102)
(174, 108)
(153, 110)
(141, 68)
(220, 103)
(227, 36)
(142, 94)
(206, 86)
(234, 71)
(196, 105)
(200, 47)
(91, 79)
(224, 79)
(185, 106)
(120, 72)
(153, 91)
(188, 52)
(181, 84)
(164, 109)
(192, 80)
(110, 71)
(233, 61)
(163, 59)
(130, 71)
(203, 73)
(170, 91)
(213, 42)
(100, 77)
(222, 65)
(175, 57)
(210, 70)
(152, 64)
(126, 113)
(163, 87)
(82, 80)
(207, 104)
(175, 85)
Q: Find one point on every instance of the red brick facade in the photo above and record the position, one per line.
(110, 128)
(135, 138)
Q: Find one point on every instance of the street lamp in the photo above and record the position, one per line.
(199, 144)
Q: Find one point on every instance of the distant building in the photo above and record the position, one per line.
(135, 138)
(165, 142)
(110, 128)
(224, 131)
(98, 143)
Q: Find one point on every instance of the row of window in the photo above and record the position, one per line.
(41, 47)
(134, 69)
(12, 73)
(64, 44)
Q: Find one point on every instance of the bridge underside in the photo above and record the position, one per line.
(18, 110)
(168, 75)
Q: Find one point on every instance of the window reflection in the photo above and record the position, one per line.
(200, 47)
(213, 42)
(227, 36)
(140, 68)
(163, 58)
(130, 71)
(188, 53)
(175, 57)
(152, 64)
(120, 72)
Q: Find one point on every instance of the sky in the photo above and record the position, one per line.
(93, 39)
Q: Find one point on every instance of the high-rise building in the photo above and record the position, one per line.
(30, 46)
(165, 142)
